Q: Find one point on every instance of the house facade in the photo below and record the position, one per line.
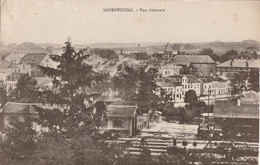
(169, 70)
(190, 82)
(14, 112)
(171, 88)
(198, 63)
(122, 119)
(11, 81)
(230, 67)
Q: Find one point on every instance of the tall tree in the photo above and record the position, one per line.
(70, 78)
(77, 117)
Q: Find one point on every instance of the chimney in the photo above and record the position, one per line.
(247, 64)
(231, 62)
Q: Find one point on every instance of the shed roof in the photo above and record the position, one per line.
(121, 110)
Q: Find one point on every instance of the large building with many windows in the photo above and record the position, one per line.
(230, 67)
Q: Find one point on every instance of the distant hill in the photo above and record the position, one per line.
(218, 47)
(26, 46)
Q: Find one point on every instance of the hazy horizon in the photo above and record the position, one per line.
(52, 21)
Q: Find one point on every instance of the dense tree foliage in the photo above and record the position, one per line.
(3, 97)
(254, 79)
(141, 56)
(78, 114)
(230, 54)
(106, 53)
(207, 51)
(191, 98)
(135, 85)
(19, 140)
(239, 83)
(25, 89)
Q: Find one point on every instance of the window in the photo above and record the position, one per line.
(118, 122)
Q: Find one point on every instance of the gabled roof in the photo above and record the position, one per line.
(250, 94)
(20, 108)
(219, 79)
(121, 110)
(192, 79)
(175, 48)
(224, 78)
(4, 63)
(188, 59)
(33, 58)
(168, 84)
(168, 48)
(14, 76)
(16, 57)
(206, 80)
(182, 48)
(252, 63)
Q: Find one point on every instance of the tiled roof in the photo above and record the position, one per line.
(15, 57)
(187, 59)
(167, 84)
(251, 94)
(192, 79)
(208, 79)
(14, 76)
(224, 77)
(205, 80)
(4, 63)
(252, 63)
(182, 48)
(219, 79)
(33, 58)
(168, 48)
(20, 108)
(121, 110)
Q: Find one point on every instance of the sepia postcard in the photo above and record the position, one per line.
(117, 82)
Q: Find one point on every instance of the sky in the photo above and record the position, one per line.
(52, 21)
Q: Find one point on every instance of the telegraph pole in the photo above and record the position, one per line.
(209, 135)
(0, 24)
